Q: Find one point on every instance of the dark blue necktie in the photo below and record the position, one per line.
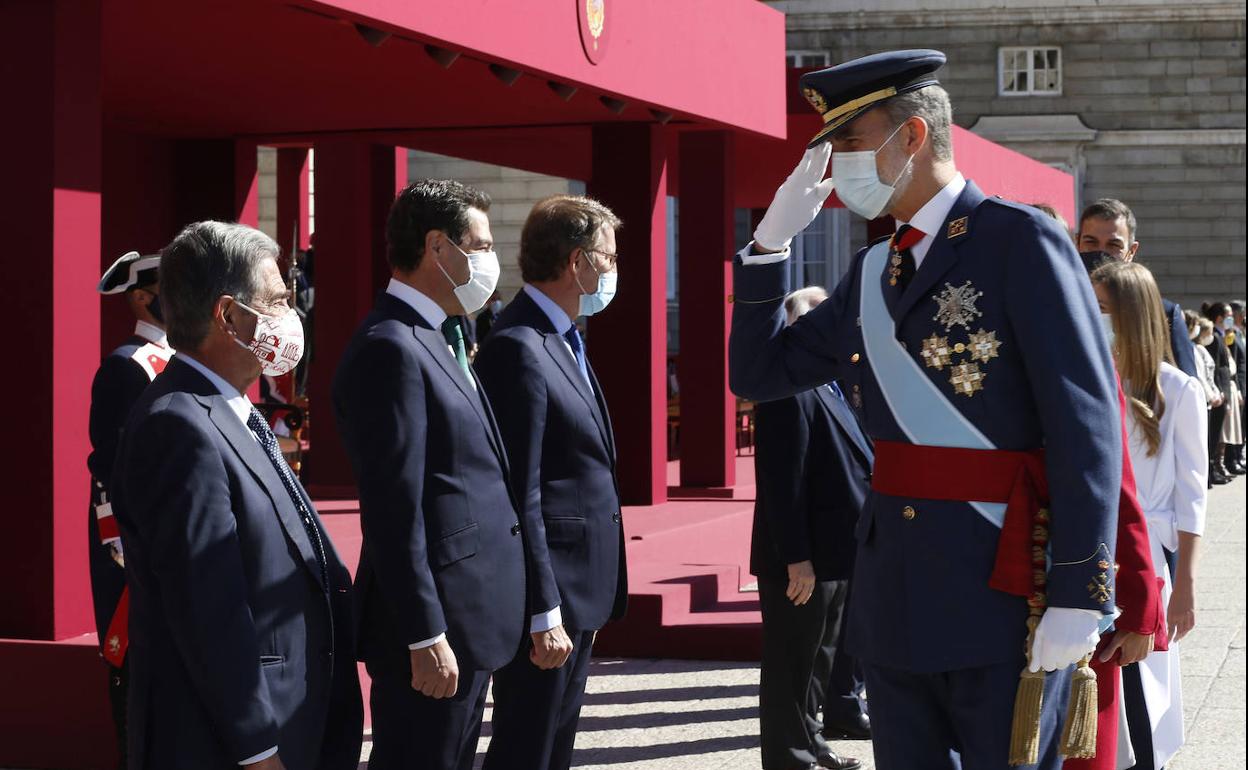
(573, 336)
(260, 428)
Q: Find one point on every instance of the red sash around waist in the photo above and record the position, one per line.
(982, 475)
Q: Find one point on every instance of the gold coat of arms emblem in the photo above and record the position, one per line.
(595, 15)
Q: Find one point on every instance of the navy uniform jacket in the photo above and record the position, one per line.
(118, 383)
(442, 550)
(236, 646)
(562, 454)
(922, 600)
(813, 471)
(1180, 343)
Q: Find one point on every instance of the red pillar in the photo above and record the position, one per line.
(292, 198)
(628, 342)
(707, 408)
(355, 185)
(50, 63)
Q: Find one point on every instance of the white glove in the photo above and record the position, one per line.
(1064, 636)
(798, 201)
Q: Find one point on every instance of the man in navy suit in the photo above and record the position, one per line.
(813, 468)
(554, 422)
(442, 573)
(122, 377)
(1107, 231)
(972, 344)
(241, 645)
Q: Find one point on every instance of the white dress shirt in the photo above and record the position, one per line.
(931, 217)
(434, 315)
(1170, 484)
(559, 319)
(240, 405)
(151, 333)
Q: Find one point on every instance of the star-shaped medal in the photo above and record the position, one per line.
(956, 306)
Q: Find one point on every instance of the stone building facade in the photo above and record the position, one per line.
(1138, 99)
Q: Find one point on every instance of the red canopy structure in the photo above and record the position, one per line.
(127, 119)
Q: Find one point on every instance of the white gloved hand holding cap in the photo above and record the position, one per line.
(798, 201)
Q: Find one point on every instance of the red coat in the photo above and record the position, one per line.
(1138, 595)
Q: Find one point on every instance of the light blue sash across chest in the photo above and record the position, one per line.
(924, 414)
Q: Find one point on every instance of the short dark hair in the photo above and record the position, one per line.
(205, 261)
(1212, 310)
(555, 227)
(1110, 210)
(430, 204)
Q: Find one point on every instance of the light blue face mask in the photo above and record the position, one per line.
(1107, 321)
(596, 301)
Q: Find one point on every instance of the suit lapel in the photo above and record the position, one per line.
(557, 350)
(844, 419)
(601, 400)
(942, 255)
(436, 345)
(261, 468)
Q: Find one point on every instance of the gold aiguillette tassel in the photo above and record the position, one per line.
(1079, 734)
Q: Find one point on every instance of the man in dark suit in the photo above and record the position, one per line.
(813, 469)
(240, 613)
(1107, 231)
(122, 377)
(554, 421)
(442, 569)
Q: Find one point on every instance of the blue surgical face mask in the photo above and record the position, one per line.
(1228, 323)
(595, 301)
(1107, 321)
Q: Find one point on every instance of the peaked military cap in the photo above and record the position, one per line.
(844, 92)
(131, 271)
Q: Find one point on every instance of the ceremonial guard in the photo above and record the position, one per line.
(118, 383)
(971, 343)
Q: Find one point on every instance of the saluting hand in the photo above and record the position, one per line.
(798, 201)
(801, 582)
(435, 671)
(550, 648)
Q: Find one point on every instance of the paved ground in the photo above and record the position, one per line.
(672, 715)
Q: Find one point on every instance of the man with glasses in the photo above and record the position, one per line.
(241, 645)
(554, 421)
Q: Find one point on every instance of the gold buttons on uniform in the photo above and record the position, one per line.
(854, 358)
(908, 513)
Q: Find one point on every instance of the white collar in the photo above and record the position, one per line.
(931, 217)
(558, 318)
(151, 333)
(418, 301)
(239, 403)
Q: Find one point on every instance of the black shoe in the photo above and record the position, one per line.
(834, 761)
(1216, 477)
(857, 729)
(1236, 468)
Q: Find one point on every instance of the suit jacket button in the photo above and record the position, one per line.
(616, 517)
(908, 513)
(515, 529)
(855, 358)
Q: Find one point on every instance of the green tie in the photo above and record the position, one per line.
(455, 338)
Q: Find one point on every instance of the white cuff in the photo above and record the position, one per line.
(749, 258)
(544, 621)
(259, 757)
(427, 642)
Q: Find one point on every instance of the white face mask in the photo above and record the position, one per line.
(483, 272)
(597, 300)
(1228, 323)
(1207, 339)
(857, 180)
(1107, 321)
(277, 341)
